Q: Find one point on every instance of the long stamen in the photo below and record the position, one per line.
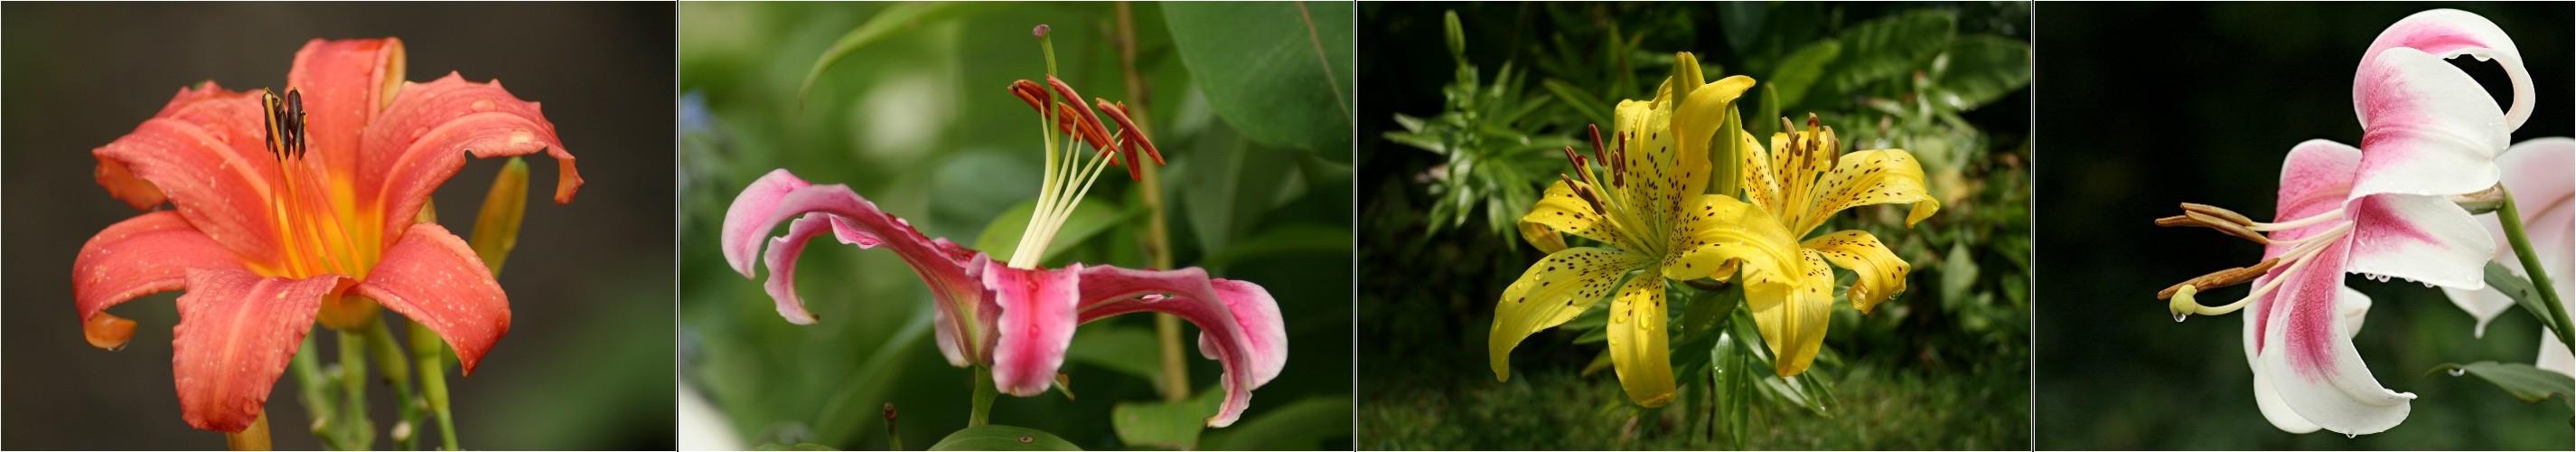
(2184, 304)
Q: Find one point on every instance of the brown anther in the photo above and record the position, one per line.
(2220, 212)
(2229, 228)
(1619, 161)
(2222, 278)
(2177, 221)
(1599, 151)
(1029, 91)
(1132, 137)
(1586, 194)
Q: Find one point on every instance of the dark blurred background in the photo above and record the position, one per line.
(2145, 105)
(587, 364)
(916, 119)
(1452, 154)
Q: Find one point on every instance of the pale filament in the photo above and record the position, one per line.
(2311, 220)
(2298, 257)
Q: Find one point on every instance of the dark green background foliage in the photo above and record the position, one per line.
(1454, 147)
(2149, 105)
(586, 364)
(916, 118)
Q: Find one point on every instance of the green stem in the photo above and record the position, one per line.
(315, 387)
(353, 390)
(1158, 236)
(984, 393)
(2512, 219)
(397, 371)
(429, 355)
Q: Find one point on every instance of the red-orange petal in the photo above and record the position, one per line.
(433, 278)
(236, 333)
(346, 83)
(423, 138)
(140, 256)
(204, 154)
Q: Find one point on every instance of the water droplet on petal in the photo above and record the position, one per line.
(2350, 436)
(482, 105)
(2179, 316)
(2459, 372)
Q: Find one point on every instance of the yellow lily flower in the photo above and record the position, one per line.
(1652, 221)
(1802, 180)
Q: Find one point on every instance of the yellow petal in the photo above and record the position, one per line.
(1870, 177)
(1721, 233)
(1656, 173)
(1882, 274)
(1761, 180)
(1559, 211)
(1551, 292)
(1695, 123)
(1792, 314)
(1637, 342)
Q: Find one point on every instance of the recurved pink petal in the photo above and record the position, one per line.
(422, 137)
(236, 333)
(2314, 368)
(1035, 324)
(784, 250)
(2422, 238)
(345, 83)
(747, 221)
(204, 154)
(1239, 324)
(434, 278)
(2427, 128)
(2449, 33)
(942, 265)
(2316, 176)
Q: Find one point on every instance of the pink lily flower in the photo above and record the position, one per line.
(300, 209)
(1015, 316)
(2381, 210)
(2537, 173)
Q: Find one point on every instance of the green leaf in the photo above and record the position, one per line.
(899, 17)
(1115, 347)
(1889, 47)
(1304, 424)
(1292, 239)
(1979, 69)
(1799, 71)
(860, 401)
(1584, 103)
(1958, 273)
(1002, 236)
(1279, 72)
(1002, 437)
(1171, 425)
(2527, 383)
(2520, 290)
(797, 446)
(1227, 189)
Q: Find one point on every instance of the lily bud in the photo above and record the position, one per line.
(496, 227)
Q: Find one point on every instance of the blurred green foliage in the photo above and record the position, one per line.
(1909, 76)
(913, 114)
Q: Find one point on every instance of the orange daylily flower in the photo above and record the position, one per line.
(300, 206)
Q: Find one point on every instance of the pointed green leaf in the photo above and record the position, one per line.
(2519, 289)
(1280, 72)
(2527, 383)
(1173, 425)
(1978, 69)
(894, 18)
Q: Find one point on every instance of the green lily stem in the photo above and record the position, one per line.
(984, 394)
(2512, 220)
(397, 372)
(1158, 236)
(309, 380)
(353, 390)
(429, 356)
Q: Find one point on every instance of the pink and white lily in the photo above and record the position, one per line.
(2538, 173)
(2381, 210)
(1015, 316)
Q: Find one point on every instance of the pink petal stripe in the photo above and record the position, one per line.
(204, 154)
(2427, 128)
(1238, 322)
(2448, 33)
(422, 138)
(236, 333)
(1035, 327)
(2421, 238)
(147, 254)
(434, 279)
(2317, 372)
(344, 84)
